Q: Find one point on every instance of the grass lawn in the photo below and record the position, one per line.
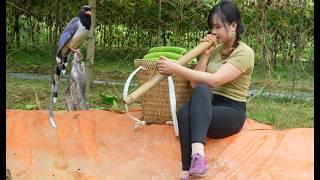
(280, 113)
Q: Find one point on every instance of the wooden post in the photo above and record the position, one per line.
(91, 46)
(17, 27)
(160, 24)
(57, 25)
(75, 97)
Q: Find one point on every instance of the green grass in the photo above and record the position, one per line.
(282, 79)
(281, 113)
(30, 60)
(24, 94)
(118, 64)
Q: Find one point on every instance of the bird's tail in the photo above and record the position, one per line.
(53, 124)
(55, 83)
(60, 68)
(64, 65)
(63, 61)
(54, 92)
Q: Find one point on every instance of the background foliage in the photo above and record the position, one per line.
(277, 30)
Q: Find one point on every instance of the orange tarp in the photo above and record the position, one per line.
(103, 145)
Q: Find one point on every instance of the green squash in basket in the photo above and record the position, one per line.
(173, 49)
(169, 55)
(155, 56)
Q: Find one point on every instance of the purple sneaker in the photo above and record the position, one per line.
(198, 166)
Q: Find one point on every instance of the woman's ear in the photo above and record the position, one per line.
(234, 26)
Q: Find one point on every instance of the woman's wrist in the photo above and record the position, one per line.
(204, 57)
(175, 68)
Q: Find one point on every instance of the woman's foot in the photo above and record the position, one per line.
(198, 166)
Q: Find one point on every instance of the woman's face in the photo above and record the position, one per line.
(223, 30)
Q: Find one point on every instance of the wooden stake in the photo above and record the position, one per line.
(75, 96)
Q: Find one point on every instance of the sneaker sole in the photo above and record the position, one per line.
(198, 175)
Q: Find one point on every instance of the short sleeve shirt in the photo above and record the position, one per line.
(243, 58)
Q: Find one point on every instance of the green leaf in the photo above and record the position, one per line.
(29, 106)
(108, 99)
(115, 106)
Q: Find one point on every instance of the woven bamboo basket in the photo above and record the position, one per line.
(156, 103)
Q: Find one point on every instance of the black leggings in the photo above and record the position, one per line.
(207, 114)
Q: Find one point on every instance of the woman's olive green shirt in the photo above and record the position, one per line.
(243, 58)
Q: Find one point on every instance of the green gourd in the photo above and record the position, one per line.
(173, 49)
(169, 55)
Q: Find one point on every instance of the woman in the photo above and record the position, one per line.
(220, 81)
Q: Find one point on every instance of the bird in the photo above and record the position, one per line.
(71, 38)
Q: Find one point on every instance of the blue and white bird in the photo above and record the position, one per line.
(72, 37)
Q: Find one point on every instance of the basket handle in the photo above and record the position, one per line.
(173, 105)
(172, 98)
(125, 93)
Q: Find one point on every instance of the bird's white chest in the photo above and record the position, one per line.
(80, 35)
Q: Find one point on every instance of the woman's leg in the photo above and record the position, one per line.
(184, 136)
(200, 113)
(194, 131)
(226, 121)
(200, 118)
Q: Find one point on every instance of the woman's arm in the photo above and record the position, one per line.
(203, 61)
(201, 66)
(226, 73)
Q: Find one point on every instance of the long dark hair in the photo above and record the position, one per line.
(228, 12)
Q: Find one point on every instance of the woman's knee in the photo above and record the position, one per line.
(183, 113)
(201, 89)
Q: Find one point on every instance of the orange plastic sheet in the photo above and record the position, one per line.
(103, 145)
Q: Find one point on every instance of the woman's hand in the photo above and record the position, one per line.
(165, 66)
(209, 38)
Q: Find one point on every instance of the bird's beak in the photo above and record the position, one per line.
(87, 13)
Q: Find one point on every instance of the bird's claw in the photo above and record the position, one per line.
(78, 54)
(77, 51)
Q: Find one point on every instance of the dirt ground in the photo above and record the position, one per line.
(103, 145)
